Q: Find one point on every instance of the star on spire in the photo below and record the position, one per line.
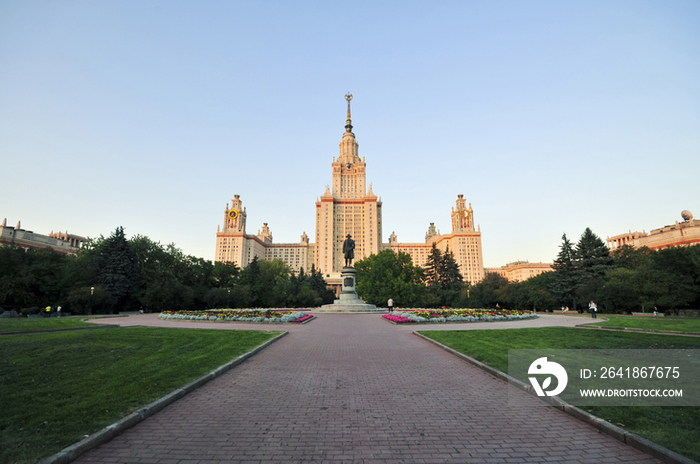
(348, 125)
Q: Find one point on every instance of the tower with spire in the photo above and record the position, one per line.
(348, 207)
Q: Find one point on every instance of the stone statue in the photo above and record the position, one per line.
(349, 250)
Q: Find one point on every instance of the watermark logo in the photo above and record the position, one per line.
(549, 368)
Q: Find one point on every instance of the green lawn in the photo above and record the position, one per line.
(58, 387)
(26, 324)
(673, 324)
(676, 428)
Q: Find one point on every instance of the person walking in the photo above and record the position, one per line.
(390, 305)
(593, 308)
(47, 312)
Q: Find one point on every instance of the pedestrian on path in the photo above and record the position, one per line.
(390, 305)
(47, 312)
(593, 308)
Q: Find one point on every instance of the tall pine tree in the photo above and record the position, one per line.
(431, 271)
(442, 277)
(592, 259)
(562, 282)
(118, 267)
(450, 277)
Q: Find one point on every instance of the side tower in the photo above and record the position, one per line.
(347, 207)
(465, 242)
(232, 243)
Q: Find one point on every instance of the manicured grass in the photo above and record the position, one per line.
(25, 324)
(673, 324)
(676, 428)
(58, 387)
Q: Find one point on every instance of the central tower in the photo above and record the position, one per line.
(347, 208)
(348, 169)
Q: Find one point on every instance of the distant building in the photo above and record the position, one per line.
(519, 271)
(63, 242)
(464, 242)
(679, 234)
(348, 207)
(234, 245)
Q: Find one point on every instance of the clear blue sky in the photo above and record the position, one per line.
(548, 116)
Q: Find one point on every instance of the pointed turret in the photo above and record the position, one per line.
(348, 145)
(348, 123)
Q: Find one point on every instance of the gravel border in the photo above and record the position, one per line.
(72, 452)
(642, 444)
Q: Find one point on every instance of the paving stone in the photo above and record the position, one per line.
(355, 389)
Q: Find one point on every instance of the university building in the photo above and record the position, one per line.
(348, 207)
(63, 242)
(520, 271)
(679, 234)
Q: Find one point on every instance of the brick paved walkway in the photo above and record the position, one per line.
(355, 389)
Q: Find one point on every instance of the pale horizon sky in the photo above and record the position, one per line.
(548, 116)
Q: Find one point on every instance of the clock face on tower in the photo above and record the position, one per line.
(233, 214)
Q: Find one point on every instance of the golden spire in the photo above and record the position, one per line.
(348, 125)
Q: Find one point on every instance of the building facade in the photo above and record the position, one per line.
(679, 234)
(63, 242)
(520, 271)
(233, 244)
(348, 206)
(464, 242)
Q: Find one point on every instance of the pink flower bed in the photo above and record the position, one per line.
(305, 318)
(397, 319)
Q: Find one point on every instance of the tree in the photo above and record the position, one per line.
(432, 268)
(319, 286)
(592, 259)
(562, 282)
(276, 283)
(90, 300)
(389, 275)
(224, 275)
(488, 292)
(591, 254)
(168, 295)
(442, 277)
(118, 267)
(629, 257)
(30, 278)
(579, 272)
(450, 277)
(531, 294)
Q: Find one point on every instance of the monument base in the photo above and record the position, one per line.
(348, 308)
(348, 301)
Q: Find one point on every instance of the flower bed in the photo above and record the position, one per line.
(241, 315)
(397, 319)
(463, 315)
(304, 318)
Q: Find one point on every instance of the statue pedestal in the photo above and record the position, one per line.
(348, 301)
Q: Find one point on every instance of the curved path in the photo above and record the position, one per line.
(356, 389)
